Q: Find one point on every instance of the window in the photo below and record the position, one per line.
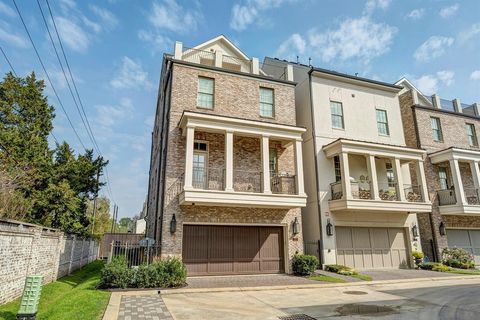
(205, 93)
(336, 110)
(472, 135)
(390, 175)
(442, 176)
(273, 162)
(382, 122)
(436, 129)
(266, 102)
(200, 146)
(338, 170)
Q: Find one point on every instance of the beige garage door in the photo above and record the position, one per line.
(372, 248)
(466, 239)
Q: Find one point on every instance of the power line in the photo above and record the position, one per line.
(8, 61)
(48, 76)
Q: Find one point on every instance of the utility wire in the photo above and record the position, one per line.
(46, 73)
(8, 61)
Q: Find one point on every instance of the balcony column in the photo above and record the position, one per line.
(475, 174)
(397, 168)
(265, 147)
(299, 168)
(189, 158)
(457, 182)
(421, 180)
(372, 173)
(345, 169)
(229, 160)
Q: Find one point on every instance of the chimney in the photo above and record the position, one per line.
(457, 105)
(178, 50)
(436, 101)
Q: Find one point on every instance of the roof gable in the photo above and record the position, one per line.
(406, 84)
(222, 43)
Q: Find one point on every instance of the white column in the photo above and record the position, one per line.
(436, 101)
(255, 66)
(178, 50)
(189, 158)
(229, 160)
(457, 182)
(421, 180)
(266, 164)
(299, 168)
(218, 58)
(372, 173)
(397, 168)
(457, 105)
(475, 173)
(414, 96)
(289, 72)
(344, 167)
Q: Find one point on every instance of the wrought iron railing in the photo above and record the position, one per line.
(446, 197)
(135, 254)
(361, 190)
(283, 183)
(336, 191)
(175, 189)
(471, 195)
(247, 181)
(413, 193)
(388, 191)
(208, 178)
(199, 56)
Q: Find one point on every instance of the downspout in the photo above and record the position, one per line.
(312, 116)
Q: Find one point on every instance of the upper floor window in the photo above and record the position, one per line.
(436, 129)
(266, 102)
(472, 135)
(336, 110)
(338, 170)
(205, 92)
(382, 122)
(442, 176)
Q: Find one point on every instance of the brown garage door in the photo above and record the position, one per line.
(210, 250)
(371, 248)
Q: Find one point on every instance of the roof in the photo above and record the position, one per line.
(227, 42)
(404, 82)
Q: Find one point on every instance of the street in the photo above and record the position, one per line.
(447, 299)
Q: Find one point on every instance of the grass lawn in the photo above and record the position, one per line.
(71, 297)
(326, 279)
(465, 271)
(360, 276)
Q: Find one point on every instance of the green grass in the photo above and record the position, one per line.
(465, 271)
(360, 276)
(71, 297)
(326, 279)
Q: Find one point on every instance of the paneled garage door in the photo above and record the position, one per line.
(466, 239)
(212, 250)
(371, 248)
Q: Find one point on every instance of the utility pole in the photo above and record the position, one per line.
(113, 217)
(95, 200)
(116, 217)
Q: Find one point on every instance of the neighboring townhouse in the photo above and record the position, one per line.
(226, 177)
(447, 130)
(363, 201)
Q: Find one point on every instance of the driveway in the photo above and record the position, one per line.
(445, 299)
(246, 281)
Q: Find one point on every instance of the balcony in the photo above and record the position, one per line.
(241, 163)
(460, 173)
(377, 178)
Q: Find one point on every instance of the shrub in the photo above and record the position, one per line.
(174, 272)
(340, 269)
(417, 254)
(116, 274)
(457, 258)
(145, 276)
(304, 265)
(441, 268)
(428, 265)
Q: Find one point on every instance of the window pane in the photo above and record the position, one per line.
(205, 85)
(336, 114)
(266, 110)
(266, 95)
(436, 129)
(382, 122)
(205, 100)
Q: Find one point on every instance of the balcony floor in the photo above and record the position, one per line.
(379, 205)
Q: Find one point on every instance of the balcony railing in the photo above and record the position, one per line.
(361, 190)
(247, 181)
(471, 195)
(413, 193)
(199, 56)
(235, 64)
(388, 191)
(283, 183)
(446, 197)
(336, 190)
(208, 178)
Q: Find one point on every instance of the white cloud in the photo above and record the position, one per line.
(434, 47)
(108, 20)
(290, 48)
(475, 76)
(159, 42)
(447, 12)
(469, 33)
(416, 14)
(7, 35)
(96, 27)
(108, 116)
(7, 10)
(371, 5)
(130, 75)
(429, 84)
(169, 15)
(359, 38)
(72, 34)
(250, 12)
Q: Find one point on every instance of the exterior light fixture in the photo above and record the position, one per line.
(441, 229)
(329, 228)
(295, 226)
(415, 231)
(173, 224)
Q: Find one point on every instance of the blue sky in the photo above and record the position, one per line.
(115, 50)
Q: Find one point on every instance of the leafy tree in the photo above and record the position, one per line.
(124, 224)
(103, 220)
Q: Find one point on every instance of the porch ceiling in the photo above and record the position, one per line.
(454, 154)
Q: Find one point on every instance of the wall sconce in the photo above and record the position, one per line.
(173, 224)
(441, 229)
(415, 231)
(329, 228)
(295, 226)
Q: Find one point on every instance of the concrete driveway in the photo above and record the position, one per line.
(443, 299)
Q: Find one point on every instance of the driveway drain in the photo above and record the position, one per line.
(364, 309)
(355, 292)
(299, 316)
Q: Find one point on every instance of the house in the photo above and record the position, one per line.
(363, 200)
(447, 130)
(226, 181)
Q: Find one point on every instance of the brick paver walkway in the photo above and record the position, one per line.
(143, 307)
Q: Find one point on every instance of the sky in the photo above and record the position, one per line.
(115, 50)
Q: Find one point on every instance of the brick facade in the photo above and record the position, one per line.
(234, 96)
(418, 133)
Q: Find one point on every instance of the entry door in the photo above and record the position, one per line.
(199, 178)
(465, 239)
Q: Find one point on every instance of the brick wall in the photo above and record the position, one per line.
(26, 249)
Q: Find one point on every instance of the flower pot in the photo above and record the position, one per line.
(418, 261)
